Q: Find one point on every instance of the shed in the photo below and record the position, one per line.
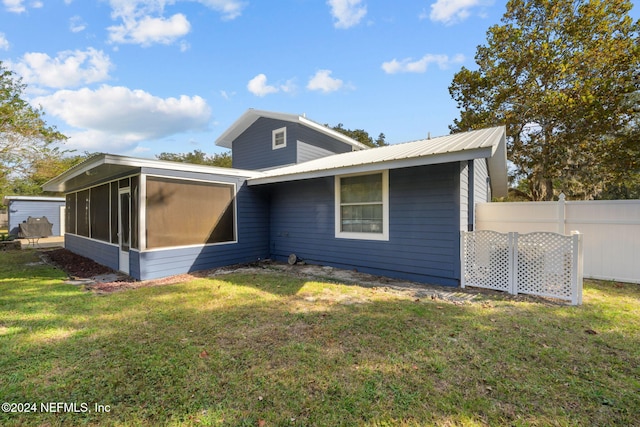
(20, 208)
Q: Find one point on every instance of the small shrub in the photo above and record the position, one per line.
(6, 237)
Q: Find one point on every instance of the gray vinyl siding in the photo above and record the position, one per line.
(424, 224)
(320, 140)
(101, 252)
(20, 210)
(307, 152)
(253, 149)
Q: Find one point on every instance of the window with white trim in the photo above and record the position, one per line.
(362, 206)
(279, 138)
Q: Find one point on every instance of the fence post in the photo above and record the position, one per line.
(576, 269)
(463, 259)
(513, 263)
(561, 213)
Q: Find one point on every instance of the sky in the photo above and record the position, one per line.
(142, 77)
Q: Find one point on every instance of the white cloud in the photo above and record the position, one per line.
(116, 117)
(147, 30)
(143, 21)
(347, 13)
(323, 81)
(4, 43)
(227, 95)
(18, 6)
(289, 86)
(259, 87)
(77, 24)
(15, 6)
(453, 11)
(408, 65)
(68, 69)
(230, 9)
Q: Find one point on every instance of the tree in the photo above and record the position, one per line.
(198, 157)
(25, 138)
(43, 169)
(360, 135)
(560, 75)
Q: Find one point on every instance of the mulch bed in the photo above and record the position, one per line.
(76, 266)
(79, 267)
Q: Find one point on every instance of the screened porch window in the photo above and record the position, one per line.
(362, 206)
(183, 212)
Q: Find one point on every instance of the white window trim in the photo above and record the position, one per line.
(385, 210)
(273, 138)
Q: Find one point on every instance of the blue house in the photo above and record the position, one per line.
(296, 187)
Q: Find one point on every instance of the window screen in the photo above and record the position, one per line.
(82, 213)
(100, 214)
(181, 212)
(70, 214)
(114, 212)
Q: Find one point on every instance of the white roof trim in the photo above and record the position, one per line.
(251, 115)
(7, 199)
(56, 184)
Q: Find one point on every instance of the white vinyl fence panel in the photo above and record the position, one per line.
(540, 263)
(610, 230)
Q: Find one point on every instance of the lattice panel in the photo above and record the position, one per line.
(544, 264)
(487, 260)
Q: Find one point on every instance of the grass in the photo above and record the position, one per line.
(271, 350)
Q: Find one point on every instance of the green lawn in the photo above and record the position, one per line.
(271, 350)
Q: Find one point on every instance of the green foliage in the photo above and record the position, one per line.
(25, 138)
(198, 157)
(42, 170)
(6, 237)
(360, 135)
(563, 77)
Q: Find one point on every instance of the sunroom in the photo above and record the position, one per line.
(151, 218)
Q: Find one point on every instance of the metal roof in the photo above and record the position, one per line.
(251, 115)
(486, 143)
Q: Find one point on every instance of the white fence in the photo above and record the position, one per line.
(610, 229)
(540, 263)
